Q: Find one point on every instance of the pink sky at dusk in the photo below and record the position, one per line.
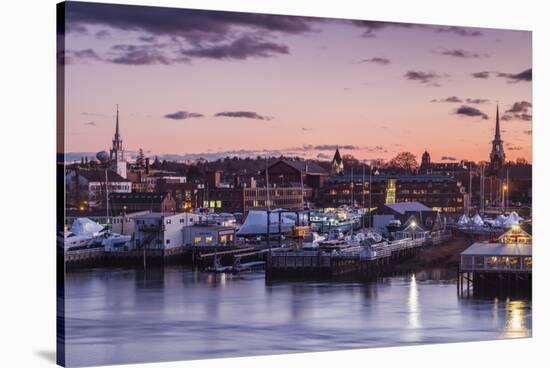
(305, 79)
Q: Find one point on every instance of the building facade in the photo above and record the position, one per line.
(438, 192)
(87, 187)
(144, 201)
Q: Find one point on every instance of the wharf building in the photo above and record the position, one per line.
(439, 192)
(249, 196)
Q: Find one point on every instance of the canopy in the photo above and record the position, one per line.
(256, 223)
(477, 220)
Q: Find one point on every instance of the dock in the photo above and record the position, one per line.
(503, 264)
(360, 261)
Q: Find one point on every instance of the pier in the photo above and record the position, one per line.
(503, 264)
(360, 260)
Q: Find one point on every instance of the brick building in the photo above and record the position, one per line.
(442, 193)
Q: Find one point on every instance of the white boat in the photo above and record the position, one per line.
(82, 234)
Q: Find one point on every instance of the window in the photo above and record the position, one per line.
(491, 262)
(197, 239)
(208, 239)
(479, 262)
(502, 263)
(168, 221)
(218, 204)
(527, 263)
(167, 241)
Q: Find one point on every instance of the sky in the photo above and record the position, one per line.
(192, 83)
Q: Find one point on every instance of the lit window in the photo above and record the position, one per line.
(208, 239)
(197, 239)
(218, 204)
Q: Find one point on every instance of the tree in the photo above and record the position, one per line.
(140, 159)
(404, 161)
(521, 161)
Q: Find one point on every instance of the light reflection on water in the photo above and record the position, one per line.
(126, 316)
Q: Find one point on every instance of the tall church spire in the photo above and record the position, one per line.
(117, 142)
(497, 157)
(118, 163)
(497, 127)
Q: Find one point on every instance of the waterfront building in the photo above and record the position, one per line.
(507, 260)
(188, 196)
(142, 201)
(497, 157)
(118, 162)
(160, 230)
(439, 192)
(86, 188)
(454, 169)
(295, 173)
(208, 235)
(244, 199)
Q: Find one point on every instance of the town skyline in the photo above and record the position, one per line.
(217, 84)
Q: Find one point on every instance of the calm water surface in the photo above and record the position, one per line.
(176, 313)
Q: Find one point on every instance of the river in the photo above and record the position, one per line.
(116, 315)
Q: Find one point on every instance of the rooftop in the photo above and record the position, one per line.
(308, 167)
(498, 249)
(99, 175)
(159, 215)
(403, 207)
(399, 178)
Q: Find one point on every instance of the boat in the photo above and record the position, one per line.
(82, 234)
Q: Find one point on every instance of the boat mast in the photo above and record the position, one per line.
(363, 193)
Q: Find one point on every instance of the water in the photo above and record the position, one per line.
(127, 316)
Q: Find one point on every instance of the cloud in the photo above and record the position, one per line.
(103, 34)
(242, 114)
(427, 78)
(481, 75)
(461, 54)
(519, 111)
(477, 101)
(324, 156)
(452, 99)
(511, 147)
(90, 123)
(525, 76)
(522, 106)
(179, 22)
(376, 60)
(471, 111)
(460, 31)
(147, 38)
(371, 28)
(181, 115)
(70, 56)
(239, 49)
(448, 158)
(143, 55)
